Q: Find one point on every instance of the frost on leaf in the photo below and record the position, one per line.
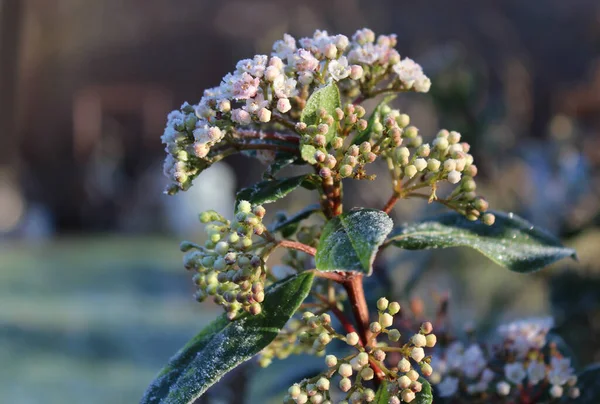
(224, 345)
(511, 242)
(349, 242)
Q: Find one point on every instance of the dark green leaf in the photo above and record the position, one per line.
(223, 345)
(365, 135)
(289, 225)
(281, 161)
(271, 191)
(511, 242)
(326, 97)
(425, 396)
(382, 396)
(588, 382)
(349, 242)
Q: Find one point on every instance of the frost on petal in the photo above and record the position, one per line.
(411, 75)
(305, 61)
(339, 69)
(245, 86)
(284, 48)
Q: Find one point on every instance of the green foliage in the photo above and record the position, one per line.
(382, 396)
(511, 242)
(375, 117)
(328, 98)
(271, 191)
(425, 396)
(350, 241)
(225, 344)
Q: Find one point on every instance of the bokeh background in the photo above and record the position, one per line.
(93, 297)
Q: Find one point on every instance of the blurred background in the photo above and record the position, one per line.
(93, 296)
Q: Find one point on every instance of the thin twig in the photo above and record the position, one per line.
(296, 245)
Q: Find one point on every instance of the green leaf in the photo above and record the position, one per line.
(281, 161)
(289, 225)
(511, 242)
(326, 97)
(365, 135)
(271, 191)
(349, 242)
(425, 396)
(382, 396)
(589, 387)
(307, 152)
(224, 344)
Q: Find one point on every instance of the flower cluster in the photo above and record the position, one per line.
(230, 266)
(367, 362)
(523, 367)
(273, 90)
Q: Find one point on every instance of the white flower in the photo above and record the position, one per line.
(284, 87)
(365, 54)
(284, 48)
(536, 372)
(448, 387)
(411, 75)
(240, 116)
(526, 334)
(454, 177)
(253, 105)
(473, 361)
(514, 372)
(305, 61)
(556, 391)
(255, 66)
(245, 86)
(560, 371)
(339, 69)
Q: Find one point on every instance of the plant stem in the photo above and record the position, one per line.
(356, 294)
(391, 202)
(296, 245)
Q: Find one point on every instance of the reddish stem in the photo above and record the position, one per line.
(391, 202)
(296, 245)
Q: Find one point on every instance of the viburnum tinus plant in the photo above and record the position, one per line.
(303, 105)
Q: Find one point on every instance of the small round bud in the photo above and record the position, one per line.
(368, 395)
(362, 358)
(481, 204)
(244, 206)
(379, 355)
(338, 114)
(375, 327)
(423, 150)
(441, 143)
(345, 171)
(574, 392)
(356, 72)
(431, 340)
(420, 164)
(453, 137)
(382, 304)
(419, 340)
(408, 395)
(394, 308)
(345, 370)
(411, 132)
(556, 391)
(394, 400)
(295, 390)
(317, 399)
(386, 320)
(394, 335)
(337, 142)
(454, 177)
(367, 374)
(255, 309)
(433, 165)
(330, 161)
(323, 128)
(330, 51)
(322, 384)
(361, 124)
(325, 172)
(302, 399)
(320, 156)
(264, 115)
(450, 165)
(468, 185)
(426, 369)
(410, 171)
(345, 384)
(426, 327)
(320, 140)
(488, 218)
(222, 247)
(417, 354)
(412, 375)
(503, 388)
(224, 106)
(331, 361)
(403, 120)
(404, 365)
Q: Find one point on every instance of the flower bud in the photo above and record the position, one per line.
(362, 358)
(345, 370)
(426, 369)
(441, 143)
(488, 218)
(394, 335)
(375, 327)
(394, 308)
(283, 105)
(433, 165)
(352, 339)
(417, 354)
(410, 171)
(420, 164)
(295, 390)
(322, 384)
(404, 365)
(382, 304)
(379, 355)
(454, 177)
(264, 115)
(367, 374)
(503, 388)
(345, 171)
(412, 375)
(345, 384)
(356, 72)
(404, 382)
(419, 340)
(331, 361)
(431, 340)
